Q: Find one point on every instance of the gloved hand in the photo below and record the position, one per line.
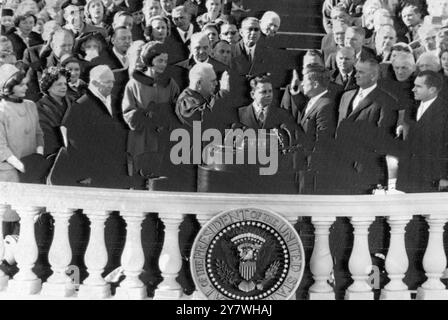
(16, 163)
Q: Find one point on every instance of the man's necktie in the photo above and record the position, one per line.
(356, 102)
(261, 117)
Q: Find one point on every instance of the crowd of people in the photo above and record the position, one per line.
(92, 90)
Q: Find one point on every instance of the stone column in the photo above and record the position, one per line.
(170, 261)
(321, 264)
(397, 261)
(95, 287)
(132, 258)
(59, 284)
(360, 263)
(25, 282)
(434, 261)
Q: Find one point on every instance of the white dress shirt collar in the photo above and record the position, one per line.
(105, 100)
(122, 57)
(258, 108)
(313, 100)
(424, 107)
(189, 33)
(367, 91)
(250, 50)
(362, 93)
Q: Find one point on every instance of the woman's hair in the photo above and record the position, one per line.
(50, 76)
(9, 85)
(87, 8)
(148, 28)
(151, 50)
(23, 17)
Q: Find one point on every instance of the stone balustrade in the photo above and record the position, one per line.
(173, 208)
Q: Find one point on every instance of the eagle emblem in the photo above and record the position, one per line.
(247, 254)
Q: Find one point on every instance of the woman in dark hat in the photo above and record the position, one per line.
(20, 132)
(7, 21)
(90, 45)
(76, 87)
(53, 106)
(148, 109)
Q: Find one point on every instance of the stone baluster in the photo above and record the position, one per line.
(397, 262)
(360, 262)
(170, 261)
(132, 258)
(25, 282)
(202, 219)
(59, 284)
(94, 286)
(321, 264)
(3, 277)
(434, 261)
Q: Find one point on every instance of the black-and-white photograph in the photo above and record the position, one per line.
(236, 150)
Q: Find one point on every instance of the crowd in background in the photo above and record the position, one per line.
(96, 87)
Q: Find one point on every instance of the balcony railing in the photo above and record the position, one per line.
(172, 208)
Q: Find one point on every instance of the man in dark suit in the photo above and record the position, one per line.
(181, 32)
(261, 113)
(364, 115)
(344, 74)
(96, 151)
(316, 115)
(251, 59)
(423, 164)
(354, 38)
(117, 60)
(200, 52)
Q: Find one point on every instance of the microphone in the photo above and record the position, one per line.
(285, 128)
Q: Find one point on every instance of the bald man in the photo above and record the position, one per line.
(96, 139)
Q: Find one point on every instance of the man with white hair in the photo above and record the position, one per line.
(428, 61)
(270, 23)
(198, 100)
(401, 82)
(200, 51)
(95, 154)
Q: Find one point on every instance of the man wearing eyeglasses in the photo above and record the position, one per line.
(229, 33)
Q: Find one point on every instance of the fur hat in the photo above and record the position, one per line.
(151, 50)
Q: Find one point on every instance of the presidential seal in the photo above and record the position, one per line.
(247, 254)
